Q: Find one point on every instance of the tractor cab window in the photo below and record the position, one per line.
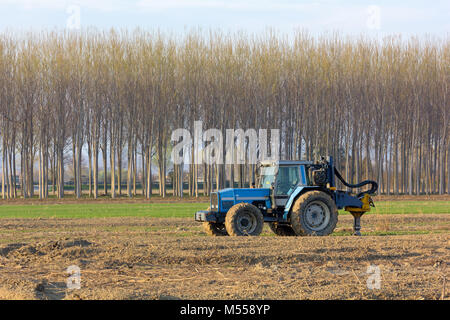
(267, 176)
(287, 179)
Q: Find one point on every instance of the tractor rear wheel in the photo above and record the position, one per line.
(244, 219)
(314, 214)
(280, 230)
(215, 229)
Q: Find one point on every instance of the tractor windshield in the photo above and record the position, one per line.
(287, 179)
(267, 176)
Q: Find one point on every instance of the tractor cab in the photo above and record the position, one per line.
(283, 177)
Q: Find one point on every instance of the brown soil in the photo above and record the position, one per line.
(151, 258)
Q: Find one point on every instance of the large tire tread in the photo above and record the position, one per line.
(233, 213)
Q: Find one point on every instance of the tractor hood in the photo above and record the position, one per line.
(244, 194)
(230, 197)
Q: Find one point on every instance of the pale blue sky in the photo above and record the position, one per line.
(415, 17)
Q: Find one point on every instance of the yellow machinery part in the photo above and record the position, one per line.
(366, 200)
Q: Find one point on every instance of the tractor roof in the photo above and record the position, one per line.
(284, 162)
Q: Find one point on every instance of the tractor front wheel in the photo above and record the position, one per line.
(244, 219)
(214, 229)
(314, 214)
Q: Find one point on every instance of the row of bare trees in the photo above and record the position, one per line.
(84, 101)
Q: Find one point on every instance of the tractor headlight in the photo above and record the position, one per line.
(214, 201)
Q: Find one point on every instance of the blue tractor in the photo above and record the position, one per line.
(296, 198)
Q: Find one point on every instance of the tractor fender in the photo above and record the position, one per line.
(297, 193)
